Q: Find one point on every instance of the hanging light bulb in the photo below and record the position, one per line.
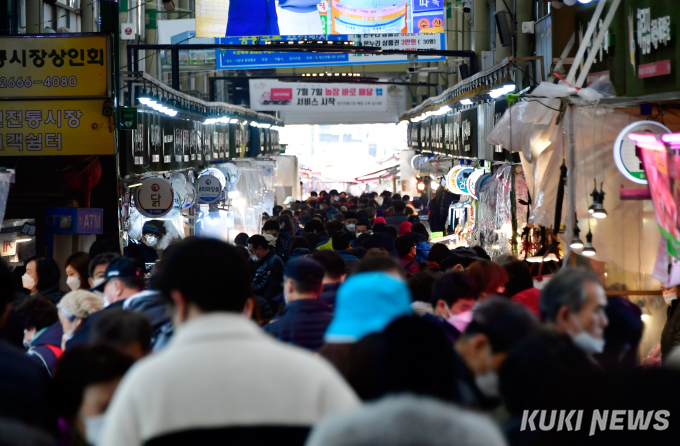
(596, 198)
(576, 242)
(589, 250)
(144, 97)
(599, 211)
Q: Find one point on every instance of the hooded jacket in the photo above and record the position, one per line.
(155, 306)
(269, 274)
(46, 346)
(422, 247)
(303, 323)
(298, 252)
(529, 298)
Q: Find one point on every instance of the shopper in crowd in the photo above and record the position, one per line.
(489, 276)
(407, 254)
(84, 383)
(274, 393)
(670, 335)
(241, 240)
(144, 251)
(97, 268)
(74, 308)
(286, 231)
(315, 233)
(24, 383)
(270, 230)
(520, 285)
(42, 330)
(574, 303)
(335, 272)
(421, 285)
(124, 278)
(438, 253)
(269, 268)
(332, 227)
(622, 335)
(421, 239)
(305, 317)
(497, 326)
(405, 228)
(76, 268)
(398, 217)
(128, 331)
(481, 253)
(378, 259)
(459, 259)
(363, 226)
(341, 244)
(454, 294)
(381, 239)
(299, 246)
(42, 276)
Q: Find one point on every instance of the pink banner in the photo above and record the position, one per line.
(654, 69)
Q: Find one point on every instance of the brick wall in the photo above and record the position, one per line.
(211, 18)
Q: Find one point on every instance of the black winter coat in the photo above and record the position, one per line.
(268, 276)
(670, 336)
(304, 323)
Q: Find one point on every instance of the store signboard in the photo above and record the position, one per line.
(58, 127)
(236, 59)
(273, 95)
(350, 19)
(155, 197)
(209, 188)
(468, 132)
(8, 244)
(59, 66)
(90, 221)
(625, 153)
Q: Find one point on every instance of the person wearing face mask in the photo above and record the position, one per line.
(42, 276)
(97, 268)
(453, 296)
(144, 250)
(498, 325)
(84, 384)
(351, 220)
(76, 267)
(74, 308)
(574, 303)
(268, 269)
(42, 330)
(124, 278)
(670, 335)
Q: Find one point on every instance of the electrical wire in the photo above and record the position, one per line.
(547, 106)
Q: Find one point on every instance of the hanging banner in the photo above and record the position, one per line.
(155, 197)
(241, 60)
(58, 66)
(59, 127)
(273, 95)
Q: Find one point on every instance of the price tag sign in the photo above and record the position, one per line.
(8, 244)
(155, 197)
(209, 188)
(51, 67)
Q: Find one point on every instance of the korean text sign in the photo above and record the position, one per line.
(57, 127)
(53, 66)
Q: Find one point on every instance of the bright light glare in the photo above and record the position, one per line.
(466, 102)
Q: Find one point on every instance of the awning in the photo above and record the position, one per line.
(382, 174)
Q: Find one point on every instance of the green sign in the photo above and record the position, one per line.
(128, 118)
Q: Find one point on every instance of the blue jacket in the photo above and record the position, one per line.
(155, 306)
(46, 346)
(422, 247)
(329, 292)
(298, 252)
(252, 18)
(304, 323)
(268, 276)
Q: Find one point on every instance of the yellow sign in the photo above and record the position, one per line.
(46, 67)
(59, 127)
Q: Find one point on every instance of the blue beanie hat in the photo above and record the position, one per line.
(367, 303)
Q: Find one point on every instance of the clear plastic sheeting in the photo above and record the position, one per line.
(286, 178)
(629, 235)
(174, 228)
(248, 207)
(494, 222)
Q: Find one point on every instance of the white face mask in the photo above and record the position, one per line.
(97, 282)
(254, 258)
(151, 240)
(27, 281)
(585, 341)
(488, 382)
(73, 282)
(351, 228)
(93, 428)
(669, 297)
(460, 320)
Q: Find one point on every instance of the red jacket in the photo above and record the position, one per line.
(529, 298)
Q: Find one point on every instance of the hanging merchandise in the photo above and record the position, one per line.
(155, 197)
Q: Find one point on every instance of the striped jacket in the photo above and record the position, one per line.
(222, 380)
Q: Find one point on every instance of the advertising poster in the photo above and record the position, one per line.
(428, 16)
(273, 95)
(350, 19)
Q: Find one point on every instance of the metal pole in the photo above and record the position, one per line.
(586, 38)
(597, 43)
(571, 184)
(175, 67)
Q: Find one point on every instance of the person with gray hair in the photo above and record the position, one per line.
(574, 303)
(407, 419)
